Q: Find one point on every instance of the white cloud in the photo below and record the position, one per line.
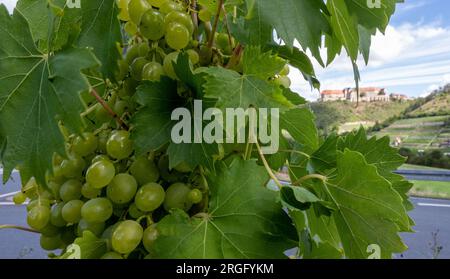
(10, 4)
(410, 54)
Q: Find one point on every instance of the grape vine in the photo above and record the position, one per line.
(86, 98)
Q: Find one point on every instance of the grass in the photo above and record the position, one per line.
(415, 167)
(431, 189)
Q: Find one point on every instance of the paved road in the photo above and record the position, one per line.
(431, 216)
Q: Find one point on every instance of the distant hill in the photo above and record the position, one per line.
(331, 116)
(437, 103)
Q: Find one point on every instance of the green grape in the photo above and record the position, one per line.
(134, 212)
(119, 145)
(50, 243)
(283, 81)
(149, 197)
(193, 56)
(54, 188)
(106, 235)
(111, 256)
(100, 174)
(122, 188)
(71, 211)
(127, 236)
(204, 15)
(177, 36)
(177, 197)
(130, 28)
(195, 196)
(90, 192)
(45, 194)
(120, 74)
(68, 235)
(95, 228)
(97, 210)
(19, 198)
(285, 70)
(37, 201)
(223, 43)
(136, 8)
(71, 190)
(123, 6)
(144, 171)
(102, 139)
(85, 144)
(181, 18)
(183, 167)
(50, 230)
(152, 71)
(120, 107)
(56, 218)
(149, 237)
(156, 3)
(100, 157)
(38, 217)
(137, 66)
(152, 25)
(73, 166)
(170, 6)
(168, 66)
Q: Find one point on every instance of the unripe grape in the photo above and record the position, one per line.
(144, 170)
(71, 211)
(136, 8)
(149, 237)
(177, 197)
(152, 71)
(123, 6)
(100, 173)
(168, 66)
(111, 256)
(204, 15)
(56, 218)
(95, 228)
(19, 198)
(38, 217)
(181, 18)
(97, 210)
(50, 230)
(73, 166)
(195, 196)
(85, 144)
(122, 188)
(156, 3)
(137, 66)
(119, 146)
(152, 25)
(131, 28)
(177, 36)
(71, 190)
(50, 243)
(170, 6)
(193, 56)
(149, 197)
(127, 236)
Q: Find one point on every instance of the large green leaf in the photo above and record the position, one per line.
(234, 90)
(89, 247)
(369, 211)
(300, 124)
(237, 199)
(101, 30)
(304, 20)
(40, 88)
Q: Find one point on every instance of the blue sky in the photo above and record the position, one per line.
(412, 58)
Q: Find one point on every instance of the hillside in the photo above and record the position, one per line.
(333, 115)
(437, 103)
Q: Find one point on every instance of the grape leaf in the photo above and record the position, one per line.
(294, 197)
(237, 199)
(101, 30)
(262, 65)
(368, 211)
(152, 123)
(234, 90)
(39, 87)
(371, 17)
(90, 246)
(300, 124)
(304, 20)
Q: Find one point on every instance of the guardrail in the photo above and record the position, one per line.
(425, 175)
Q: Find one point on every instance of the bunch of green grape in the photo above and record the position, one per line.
(101, 185)
(104, 188)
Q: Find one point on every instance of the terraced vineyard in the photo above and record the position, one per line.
(421, 133)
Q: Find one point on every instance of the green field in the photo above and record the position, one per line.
(431, 189)
(426, 133)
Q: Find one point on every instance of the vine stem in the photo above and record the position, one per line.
(194, 16)
(295, 151)
(230, 40)
(234, 60)
(310, 176)
(18, 228)
(108, 109)
(268, 169)
(216, 22)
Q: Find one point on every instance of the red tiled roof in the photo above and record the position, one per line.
(331, 92)
(369, 89)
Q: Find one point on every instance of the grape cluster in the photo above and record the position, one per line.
(102, 187)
